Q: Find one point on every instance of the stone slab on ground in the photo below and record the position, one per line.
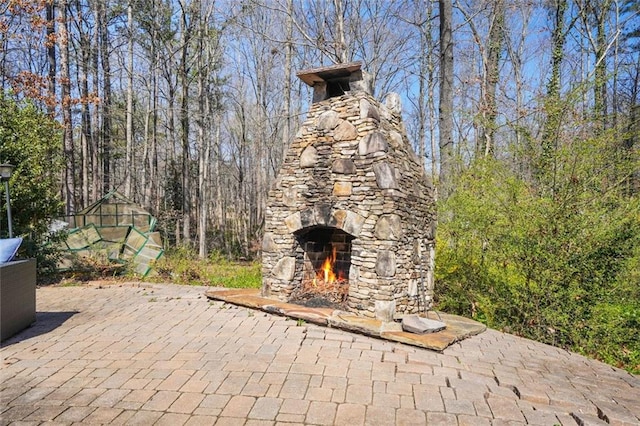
(418, 325)
(457, 328)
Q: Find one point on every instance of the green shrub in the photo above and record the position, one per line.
(559, 265)
(30, 140)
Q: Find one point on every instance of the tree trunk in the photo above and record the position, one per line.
(515, 50)
(288, 58)
(446, 98)
(85, 117)
(203, 63)
(552, 103)
(106, 96)
(595, 14)
(96, 140)
(51, 56)
(490, 77)
(69, 187)
(600, 87)
(154, 196)
(129, 163)
(425, 103)
(341, 48)
(183, 75)
(422, 89)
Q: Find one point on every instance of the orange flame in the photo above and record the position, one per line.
(326, 273)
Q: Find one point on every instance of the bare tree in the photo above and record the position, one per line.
(154, 35)
(106, 129)
(129, 163)
(321, 25)
(552, 104)
(490, 52)
(96, 139)
(69, 187)
(516, 46)
(51, 52)
(187, 27)
(288, 63)
(84, 54)
(207, 67)
(446, 97)
(595, 14)
(491, 74)
(423, 69)
(340, 39)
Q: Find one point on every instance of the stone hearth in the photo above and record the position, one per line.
(351, 189)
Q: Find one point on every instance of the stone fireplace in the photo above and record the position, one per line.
(351, 214)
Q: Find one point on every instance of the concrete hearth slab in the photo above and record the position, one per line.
(457, 328)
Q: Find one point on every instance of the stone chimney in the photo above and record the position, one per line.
(350, 191)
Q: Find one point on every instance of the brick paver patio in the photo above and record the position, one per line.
(166, 355)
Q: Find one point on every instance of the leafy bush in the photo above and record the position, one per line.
(31, 141)
(557, 264)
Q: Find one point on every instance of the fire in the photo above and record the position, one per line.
(326, 272)
(328, 283)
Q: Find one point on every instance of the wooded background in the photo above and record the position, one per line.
(187, 106)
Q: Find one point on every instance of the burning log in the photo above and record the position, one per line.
(326, 285)
(326, 282)
(318, 292)
(338, 289)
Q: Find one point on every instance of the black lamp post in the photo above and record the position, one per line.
(5, 173)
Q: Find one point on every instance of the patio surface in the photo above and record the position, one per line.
(164, 354)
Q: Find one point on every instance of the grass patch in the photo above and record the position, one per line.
(182, 266)
(234, 274)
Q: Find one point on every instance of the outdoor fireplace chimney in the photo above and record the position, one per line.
(351, 192)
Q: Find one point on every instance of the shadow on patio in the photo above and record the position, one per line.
(45, 322)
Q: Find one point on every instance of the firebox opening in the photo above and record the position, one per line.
(326, 264)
